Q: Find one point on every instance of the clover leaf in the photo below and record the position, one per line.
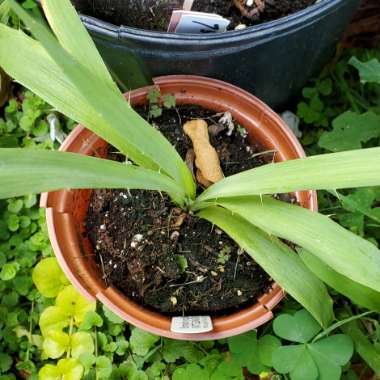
(320, 360)
(300, 327)
(227, 371)
(253, 353)
(295, 360)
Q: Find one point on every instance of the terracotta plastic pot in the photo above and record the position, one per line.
(66, 209)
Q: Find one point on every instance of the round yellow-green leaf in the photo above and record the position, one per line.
(53, 318)
(55, 344)
(49, 372)
(73, 304)
(81, 342)
(70, 369)
(48, 277)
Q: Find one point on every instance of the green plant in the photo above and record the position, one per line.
(156, 104)
(52, 66)
(318, 358)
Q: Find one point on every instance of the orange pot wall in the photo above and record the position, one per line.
(66, 209)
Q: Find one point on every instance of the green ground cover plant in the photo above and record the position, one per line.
(39, 334)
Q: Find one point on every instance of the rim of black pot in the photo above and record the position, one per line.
(311, 13)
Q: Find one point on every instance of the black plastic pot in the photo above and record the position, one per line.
(272, 60)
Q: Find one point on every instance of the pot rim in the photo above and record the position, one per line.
(61, 223)
(292, 21)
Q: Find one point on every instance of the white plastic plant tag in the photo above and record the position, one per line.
(191, 325)
(197, 22)
(187, 4)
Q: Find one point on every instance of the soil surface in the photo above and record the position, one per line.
(155, 14)
(168, 260)
(242, 14)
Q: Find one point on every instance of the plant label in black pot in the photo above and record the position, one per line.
(197, 22)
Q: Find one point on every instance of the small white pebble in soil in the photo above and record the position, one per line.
(115, 266)
(240, 251)
(174, 235)
(220, 242)
(136, 240)
(123, 195)
(218, 231)
(221, 269)
(173, 300)
(102, 227)
(240, 26)
(200, 278)
(110, 262)
(213, 273)
(239, 293)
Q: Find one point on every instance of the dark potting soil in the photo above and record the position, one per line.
(271, 9)
(155, 14)
(164, 258)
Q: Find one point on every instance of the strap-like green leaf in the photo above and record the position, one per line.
(282, 264)
(363, 346)
(73, 36)
(24, 171)
(120, 124)
(359, 294)
(345, 252)
(349, 169)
